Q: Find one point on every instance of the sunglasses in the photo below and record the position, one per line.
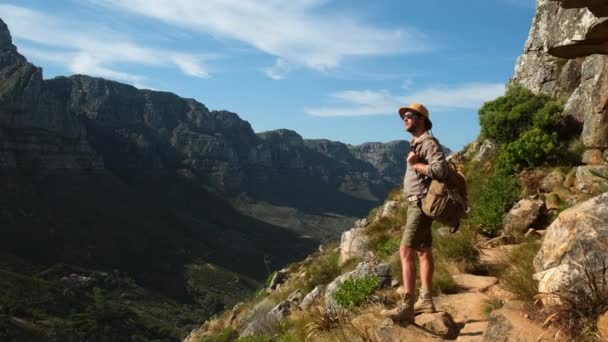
(409, 115)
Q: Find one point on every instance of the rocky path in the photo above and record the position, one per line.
(468, 309)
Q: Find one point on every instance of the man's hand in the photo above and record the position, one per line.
(412, 158)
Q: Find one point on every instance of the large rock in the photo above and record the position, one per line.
(552, 181)
(353, 244)
(312, 296)
(507, 324)
(371, 267)
(521, 217)
(589, 180)
(440, 323)
(575, 241)
(487, 150)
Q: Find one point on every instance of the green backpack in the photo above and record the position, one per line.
(446, 199)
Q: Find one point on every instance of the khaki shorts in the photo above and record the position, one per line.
(417, 232)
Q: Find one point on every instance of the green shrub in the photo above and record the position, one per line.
(505, 118)
(533, 148)
(388, 247)
(353, 292)
(517, 278)
(496, 197)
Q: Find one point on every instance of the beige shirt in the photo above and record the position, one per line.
(430, 153)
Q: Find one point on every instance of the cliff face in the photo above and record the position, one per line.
(565, 57)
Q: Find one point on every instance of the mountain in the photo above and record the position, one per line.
(162, 193)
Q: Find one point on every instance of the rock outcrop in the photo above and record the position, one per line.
(564, 57)
(575, 243)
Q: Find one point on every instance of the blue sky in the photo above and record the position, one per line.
(327, 69)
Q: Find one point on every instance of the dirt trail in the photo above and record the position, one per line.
(467, 308)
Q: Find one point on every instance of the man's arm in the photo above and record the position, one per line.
(437, 167)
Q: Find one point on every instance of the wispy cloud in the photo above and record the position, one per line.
(437, 99)
(88, 48)
(296, 32)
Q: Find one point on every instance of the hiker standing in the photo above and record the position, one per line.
(425, 162)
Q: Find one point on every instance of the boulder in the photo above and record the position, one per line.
(390, 208)
(587, 178)
(552, 181)
(296, 296)
(576, 240)
(487, 151)
(311, 297)
(361, 223)
(440, 323)
(278, 278)
(507, 324)
(523, 214)
(370, 267)
(353, 244)
(593, 157)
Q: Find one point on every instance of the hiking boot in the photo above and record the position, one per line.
(425, 304)
(403, 312)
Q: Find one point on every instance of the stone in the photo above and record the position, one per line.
(440, 323)
(361, 223)
(552, 181)
(487, 150)
(353, 244)
(391, 208)
(552, 201)
(593, 157)
(523, 214)
(577, 239)
(587, 179)
(296, 296)
(507, 324)
(312, 296)
(278, 278)
(474, 283)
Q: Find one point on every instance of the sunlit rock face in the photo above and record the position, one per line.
(565, 57)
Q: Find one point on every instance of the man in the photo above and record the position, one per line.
(424, 162)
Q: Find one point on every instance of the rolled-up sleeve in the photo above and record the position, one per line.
(437, 165)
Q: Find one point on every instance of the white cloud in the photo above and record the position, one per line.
(438, 99)
(88, 48)
(297, 32)
(279, 69)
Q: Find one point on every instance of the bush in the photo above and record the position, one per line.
(353, 292)
(517, 278)
(505, 118)
(388, 247)
(533, 148)
(499, 193)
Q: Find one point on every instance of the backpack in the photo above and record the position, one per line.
(446, 199)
